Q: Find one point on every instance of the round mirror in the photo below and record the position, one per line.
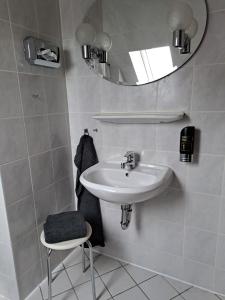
(134, 42)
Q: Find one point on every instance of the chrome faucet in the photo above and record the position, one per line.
(130, 162)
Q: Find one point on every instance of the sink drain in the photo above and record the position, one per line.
(125, 215)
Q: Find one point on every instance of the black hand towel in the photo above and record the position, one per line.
(64, 227)
(88, 204)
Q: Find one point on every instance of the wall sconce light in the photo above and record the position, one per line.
(183, 25)
(94, 45)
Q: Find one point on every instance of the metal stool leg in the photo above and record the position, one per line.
(92, 270)
(83, 259)
(49, 251)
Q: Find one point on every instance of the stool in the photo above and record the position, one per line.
(66, 245)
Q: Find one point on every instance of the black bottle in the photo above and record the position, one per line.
(187, 137)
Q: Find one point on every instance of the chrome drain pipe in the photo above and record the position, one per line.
(125, 215)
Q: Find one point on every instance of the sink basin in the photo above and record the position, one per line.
(107, 181)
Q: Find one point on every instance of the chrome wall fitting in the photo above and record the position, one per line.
(86, 52)
(90, 52)
(41, 53)
(179, 38)
(125, 215)
(187, 46)
(182, 41)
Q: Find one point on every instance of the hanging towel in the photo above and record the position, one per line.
(64, 227)
(88, 204)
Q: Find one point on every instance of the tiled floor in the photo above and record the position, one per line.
(115, 280)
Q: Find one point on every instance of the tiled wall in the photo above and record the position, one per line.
(7, 269)
(35, 163)
(180, 233)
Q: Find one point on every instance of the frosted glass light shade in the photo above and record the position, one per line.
(192, 30)
(85, 34)
(103, 41)
(180, 16)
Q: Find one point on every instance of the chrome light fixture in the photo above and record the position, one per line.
(183, 25)
(94, 45)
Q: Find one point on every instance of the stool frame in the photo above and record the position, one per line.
(49, 271)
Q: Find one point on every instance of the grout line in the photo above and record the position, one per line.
(181, 293)
(82, 282)
(38, 190)
(41, 292)
(111, 271)
(111, 296)
(50, 150)
(177, 289)
(106, 287)
(126, 291)
(135, 280)
(139, 283)
(68, 267)
(71, 283)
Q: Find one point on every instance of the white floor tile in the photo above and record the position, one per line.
(84, 291)
(179, 298)
(36, 295)
(179, 286)
(68, 295)
(221, 297)
(198, 294)
(132, 294)
(118, 281)
(59, 285)
(158, 288)
(74, 258)
(104, 264)
(138, 274)
(60, 267)
(77, 276)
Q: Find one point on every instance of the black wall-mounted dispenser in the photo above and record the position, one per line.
(187, 138)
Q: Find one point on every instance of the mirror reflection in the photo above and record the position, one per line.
(134, 42)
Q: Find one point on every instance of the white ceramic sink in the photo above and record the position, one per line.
(107, 181)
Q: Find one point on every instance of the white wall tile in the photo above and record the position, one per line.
(169, 237)
(211, 126)
(222, 219)
(206, 98)
(175, 91)
(219, 281)
(198, 274)
(87, 93)
(215, 5)
(4, 14)
(206, 175)
(212, 49)
(202, 211)
(200, 245)
(169, 206)
(220, 259)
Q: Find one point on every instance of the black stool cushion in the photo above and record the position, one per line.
(64, 227)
